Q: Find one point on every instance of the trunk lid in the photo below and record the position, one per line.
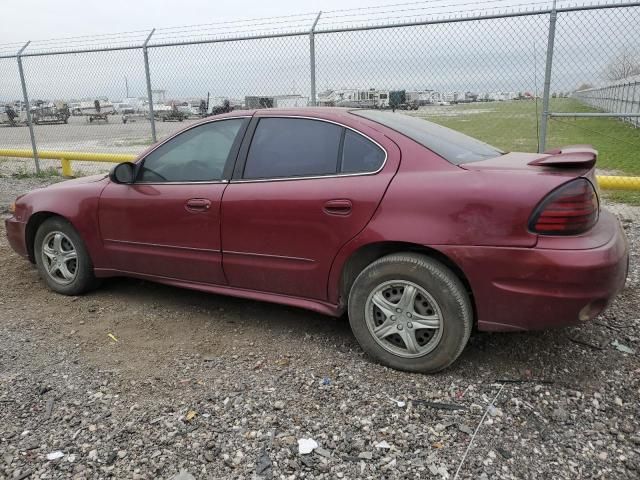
(571, 162)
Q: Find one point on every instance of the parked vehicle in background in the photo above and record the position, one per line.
(420, 233)
(168, 113)
(50, 114)
(94, 111)
(13, 117)
(398, 100)
(124, 109)
(225, 107)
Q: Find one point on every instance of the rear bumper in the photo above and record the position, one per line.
(16, 235)
(536, 288)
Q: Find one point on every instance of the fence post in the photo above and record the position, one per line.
(633, 100)
(547, 80)
(152, 118)
(312, 57)
(25, 98)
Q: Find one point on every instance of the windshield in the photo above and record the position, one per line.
(455, 147)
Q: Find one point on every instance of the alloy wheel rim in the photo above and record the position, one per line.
(60, 258)
(404, 318)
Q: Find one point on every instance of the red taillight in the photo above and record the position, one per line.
(568, 210)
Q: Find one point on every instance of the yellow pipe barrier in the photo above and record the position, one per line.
(66, 157)
(614, 182)
(606, 182)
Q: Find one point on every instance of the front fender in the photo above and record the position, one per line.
(75, 201)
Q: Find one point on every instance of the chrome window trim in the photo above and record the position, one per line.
(199, 182)
(312, 177)
(158, 145)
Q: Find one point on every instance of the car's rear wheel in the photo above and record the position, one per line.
(62, 258)
(410, 312)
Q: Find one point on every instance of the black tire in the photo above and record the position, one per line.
(84, 279)
(440, 283)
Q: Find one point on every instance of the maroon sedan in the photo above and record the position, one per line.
(420, 233)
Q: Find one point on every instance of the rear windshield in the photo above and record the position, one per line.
(453, 146)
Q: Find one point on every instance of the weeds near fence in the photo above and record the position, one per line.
(48, 172)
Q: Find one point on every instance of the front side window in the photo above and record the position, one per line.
(293, 147)
(197, 155)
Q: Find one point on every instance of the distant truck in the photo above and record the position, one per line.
(168, 113)
(252, 102)
(398, 100)
(50, 114)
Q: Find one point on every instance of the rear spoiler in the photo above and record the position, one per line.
(578, 156)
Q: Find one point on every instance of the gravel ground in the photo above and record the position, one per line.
(137, 380)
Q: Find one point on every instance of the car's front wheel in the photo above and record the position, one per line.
(410, 312)
(62, 258)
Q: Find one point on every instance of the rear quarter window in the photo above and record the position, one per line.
(360, 155)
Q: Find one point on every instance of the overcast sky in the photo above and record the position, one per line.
(60, 18)
(479, 56)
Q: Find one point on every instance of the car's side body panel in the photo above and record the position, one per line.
(536, 288)
(277, 243)
(318, 306)
(451, 206)
(281, 235)
(76, 201)
(150, 229)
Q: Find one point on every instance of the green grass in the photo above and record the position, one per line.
(511, 126)
(622, 196)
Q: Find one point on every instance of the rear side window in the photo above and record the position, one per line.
(293, 147)
(360, 155)
(455, 147)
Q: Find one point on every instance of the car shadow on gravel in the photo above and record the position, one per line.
(155, 318)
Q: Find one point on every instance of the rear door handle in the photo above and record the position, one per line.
(198, 205)
(338, 207)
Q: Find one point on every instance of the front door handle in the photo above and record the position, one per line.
(198, 205)
(338, 207)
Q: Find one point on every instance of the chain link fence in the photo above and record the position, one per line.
(531, 76)
(621, 97)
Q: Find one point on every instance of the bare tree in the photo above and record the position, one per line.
(584, 86)
(625, 64)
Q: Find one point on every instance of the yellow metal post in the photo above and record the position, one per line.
(66, 167)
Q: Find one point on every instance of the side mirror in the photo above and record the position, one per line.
(124, 173)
